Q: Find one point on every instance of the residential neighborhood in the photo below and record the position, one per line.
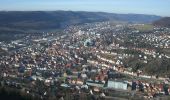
(93, 61)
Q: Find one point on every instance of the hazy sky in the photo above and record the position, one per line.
(157, 7)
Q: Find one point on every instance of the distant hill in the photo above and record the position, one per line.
(165, 22)
(32, 21)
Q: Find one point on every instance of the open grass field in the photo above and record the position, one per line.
(144, 28)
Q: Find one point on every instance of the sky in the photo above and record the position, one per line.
(155, 7)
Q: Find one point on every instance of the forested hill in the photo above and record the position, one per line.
(164, 22)
(30, 21)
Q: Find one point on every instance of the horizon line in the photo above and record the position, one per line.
(78, 11)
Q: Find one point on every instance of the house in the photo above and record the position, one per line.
(94, 83)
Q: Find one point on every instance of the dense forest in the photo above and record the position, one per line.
(33, 21)
(164, 22)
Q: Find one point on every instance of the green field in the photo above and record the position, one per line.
(145, 27)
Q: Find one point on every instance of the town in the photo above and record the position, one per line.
(94, 61)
